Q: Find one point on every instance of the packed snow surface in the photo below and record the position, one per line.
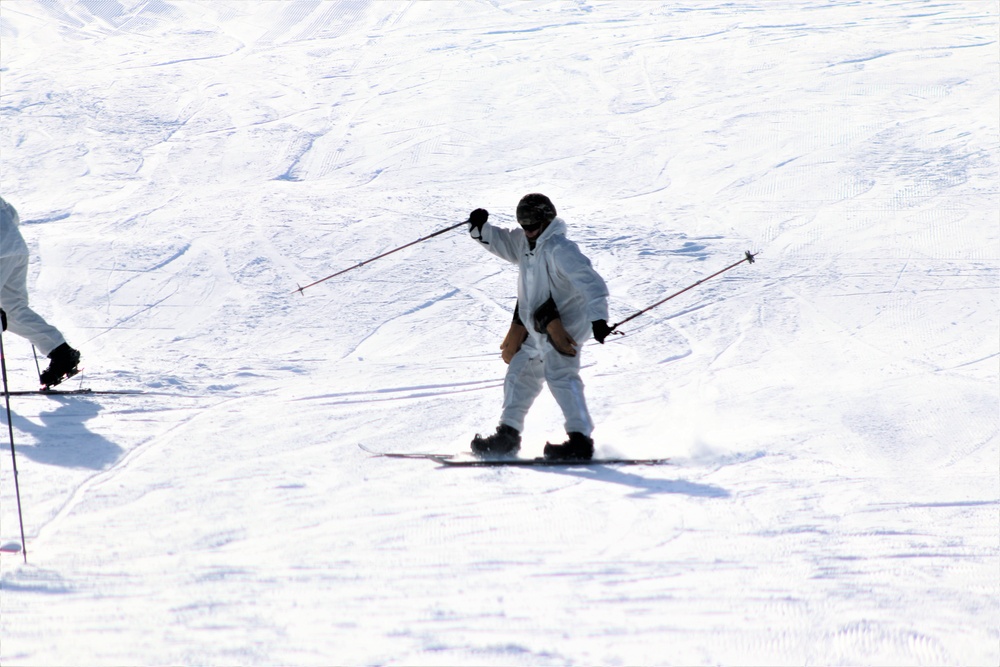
(831, 411)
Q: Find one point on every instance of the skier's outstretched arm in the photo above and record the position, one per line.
(503, 243)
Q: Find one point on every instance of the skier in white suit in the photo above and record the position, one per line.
(564, 301)
(17, 315)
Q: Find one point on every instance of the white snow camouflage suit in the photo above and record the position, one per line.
(555, 268)
(21, 319)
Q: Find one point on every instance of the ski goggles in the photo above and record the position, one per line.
(529, 226)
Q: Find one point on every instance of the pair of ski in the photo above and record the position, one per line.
(76, 392)
(471, 461)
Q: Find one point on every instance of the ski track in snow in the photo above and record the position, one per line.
(831, 412)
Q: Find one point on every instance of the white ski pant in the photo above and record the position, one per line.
(21, 319)
(525, 376)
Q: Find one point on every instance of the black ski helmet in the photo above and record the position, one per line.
(535, 209)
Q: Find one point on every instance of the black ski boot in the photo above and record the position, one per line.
(63, 364)
(505, 442)
(577, 448)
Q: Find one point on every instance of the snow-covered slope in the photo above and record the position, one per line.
(831, 411)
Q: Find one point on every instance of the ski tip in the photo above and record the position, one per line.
(11, 548)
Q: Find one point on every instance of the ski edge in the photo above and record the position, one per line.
(451, 462)
(76, 392)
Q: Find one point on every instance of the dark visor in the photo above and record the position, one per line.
(529, 226)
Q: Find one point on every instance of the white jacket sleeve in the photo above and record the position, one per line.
(577, 270)
(11, 242)
(507, 244)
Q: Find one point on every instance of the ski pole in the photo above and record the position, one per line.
(13, 458)
(748, 257)
(37, 367)
(368, 261)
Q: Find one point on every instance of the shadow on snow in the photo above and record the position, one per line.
(63, 439)
(644, 486)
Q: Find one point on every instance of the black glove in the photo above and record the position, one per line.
(3, 319)
(601, 330)
(478, 218)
